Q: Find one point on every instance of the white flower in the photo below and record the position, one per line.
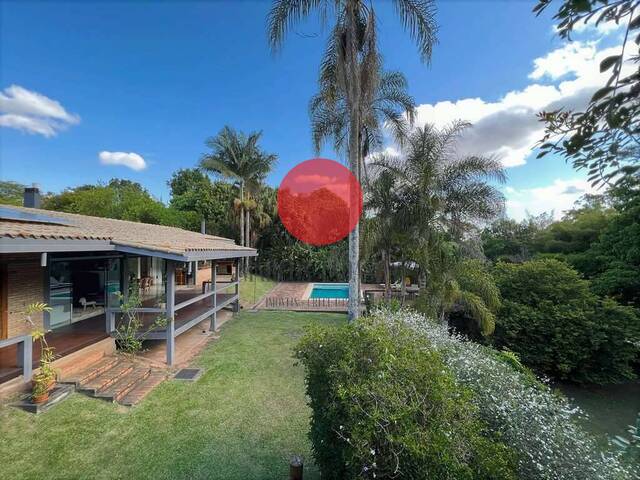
(540, 426)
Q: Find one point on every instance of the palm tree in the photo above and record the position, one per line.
(442, 191)
(353, 69)
(460, 285)
(391, 108)
(441, 196)
(382, 228)
(237, 156)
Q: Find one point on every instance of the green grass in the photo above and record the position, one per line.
(252, 289)
(241, 420)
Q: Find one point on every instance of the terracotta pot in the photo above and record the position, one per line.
(43, 397)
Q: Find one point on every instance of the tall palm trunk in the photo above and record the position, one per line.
(241, 221)
(353, 101)
(247, 237)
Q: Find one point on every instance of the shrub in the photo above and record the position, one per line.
(385, 406)
(534, 421)
(559, 328)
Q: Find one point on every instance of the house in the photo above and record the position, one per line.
(79, 264)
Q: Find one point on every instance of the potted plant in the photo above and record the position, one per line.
(40, 391)
(46, 369)
(46, 377)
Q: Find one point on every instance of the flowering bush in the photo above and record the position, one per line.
(538, 424)
(385, 406)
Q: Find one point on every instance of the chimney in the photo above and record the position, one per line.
(203, 226)
(32, 197)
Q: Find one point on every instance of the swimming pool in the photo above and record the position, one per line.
(330, 290)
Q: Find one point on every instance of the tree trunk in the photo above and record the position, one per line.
(403, 285)
(422, 279)
(387, 275)
(353, 101)
(241, 217)
(247, 237)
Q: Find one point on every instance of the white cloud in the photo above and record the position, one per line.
(558, 197)
(508, 128)
(603, 28)
(130, 160)
(33, 112)
(573, 57)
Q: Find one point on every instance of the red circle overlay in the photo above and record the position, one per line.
(315, 199)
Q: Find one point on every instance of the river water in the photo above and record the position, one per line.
(609, 408)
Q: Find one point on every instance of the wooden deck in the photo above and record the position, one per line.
(64, 341)
(185, 317)
(74, 337)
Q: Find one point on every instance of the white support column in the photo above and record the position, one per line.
(214, 317)
(236, 304)
(170, 290)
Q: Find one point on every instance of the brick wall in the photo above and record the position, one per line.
(204, 273)
(24, 286)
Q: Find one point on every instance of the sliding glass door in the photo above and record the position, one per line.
(61, 294)
(82, 288)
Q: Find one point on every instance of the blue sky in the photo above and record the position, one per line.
(155, 79)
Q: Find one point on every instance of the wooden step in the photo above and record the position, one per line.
(124, 385)
(87, 374)
(70, 365)
(107, 378)
(141, 389)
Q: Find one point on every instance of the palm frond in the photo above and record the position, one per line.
(418, 17)
(284, 14)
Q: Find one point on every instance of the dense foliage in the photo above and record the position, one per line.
(120, 199)
(385, 406)
(600, 238)
(11, 193)
(558, 327)
(526, 415)
(193, 191)
(603, 138)
(283, 257)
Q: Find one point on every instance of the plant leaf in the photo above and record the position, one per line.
(601, 93)
(609, 62)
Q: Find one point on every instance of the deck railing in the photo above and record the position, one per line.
(24, 356)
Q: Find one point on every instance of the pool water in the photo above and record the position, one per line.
(330, 290)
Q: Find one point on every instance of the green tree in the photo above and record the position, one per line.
(11, 193)
(558, 327)
(604, 139)
(353, 67)
(466, 290)
(509, 240)
(615, 264)
(390, 108)
(119, 199)
(383, 230)
(193, 191)
(238, 157)
(441, 197)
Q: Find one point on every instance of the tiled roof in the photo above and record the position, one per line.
(118, 232)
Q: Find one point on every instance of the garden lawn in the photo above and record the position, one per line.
(253, 288)
(241, 420)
